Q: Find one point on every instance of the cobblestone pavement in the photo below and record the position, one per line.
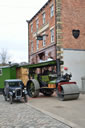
(21, 115)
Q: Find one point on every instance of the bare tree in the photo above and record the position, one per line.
(4, 57)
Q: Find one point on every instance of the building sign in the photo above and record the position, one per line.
(39, 37)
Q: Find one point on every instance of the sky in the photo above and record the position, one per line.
(14, 28)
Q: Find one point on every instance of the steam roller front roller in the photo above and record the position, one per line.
(68, 91)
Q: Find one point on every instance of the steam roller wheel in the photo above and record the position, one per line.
(68, 92)
(33, 88)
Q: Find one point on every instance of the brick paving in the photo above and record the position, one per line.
(21, 115)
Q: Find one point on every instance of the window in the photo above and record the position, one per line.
(52, 35)
(44, 40)
(31, 27)
(0, 72)
(37, 44)
(37, 24)
(51, 10)
(43, 18)
(31, 46)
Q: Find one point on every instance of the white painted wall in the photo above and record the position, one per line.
(75, 61)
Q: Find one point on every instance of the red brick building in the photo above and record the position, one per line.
(43, 23)
(62, 25)
(70, 14)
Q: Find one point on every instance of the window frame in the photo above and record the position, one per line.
(52, 10)
(31, 28)
(37, 24)
(52, 35)
(37, 44)
(44, 41)
(44, 17)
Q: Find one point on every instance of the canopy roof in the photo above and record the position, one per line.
(43, 64)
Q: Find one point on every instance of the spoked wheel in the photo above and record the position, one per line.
(10, 99)
(33, 88)
(26, 98)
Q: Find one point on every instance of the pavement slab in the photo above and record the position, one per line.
(23, 115)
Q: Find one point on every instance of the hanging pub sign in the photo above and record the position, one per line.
(39, 37)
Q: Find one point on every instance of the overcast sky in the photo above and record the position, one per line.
(13, 26)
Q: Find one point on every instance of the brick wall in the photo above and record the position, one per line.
(50, 22)
(73, 18)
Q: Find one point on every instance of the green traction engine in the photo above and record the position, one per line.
(46, 78)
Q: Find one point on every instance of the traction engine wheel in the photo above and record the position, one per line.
(33, 88)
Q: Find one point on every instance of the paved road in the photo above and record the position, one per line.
(22, 115)
(72, 111)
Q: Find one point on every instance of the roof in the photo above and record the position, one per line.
(43, 64)
(13, 80)
(39, 11)
(11, 65)
(39, 65)
(4, 66)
